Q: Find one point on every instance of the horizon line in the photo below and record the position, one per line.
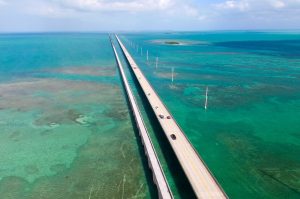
(151, 31)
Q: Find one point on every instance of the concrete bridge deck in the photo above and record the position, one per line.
(159, 178)
(199, 176)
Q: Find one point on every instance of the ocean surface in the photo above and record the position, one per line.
(66, 130)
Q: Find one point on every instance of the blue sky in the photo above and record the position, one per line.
(147, 15)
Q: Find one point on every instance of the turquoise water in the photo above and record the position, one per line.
(249, 135)
(66, 131)
(65, 127)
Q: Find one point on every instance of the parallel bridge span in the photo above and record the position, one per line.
(159, 178)
(201, 179)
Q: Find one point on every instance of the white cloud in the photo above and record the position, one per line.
(176, 9)
(159, 14)
(2, 2)
(116, 5)
(258, 5)
(278, 4)
(234, 5)
(259, 13)
(49, 10)
(44, 8)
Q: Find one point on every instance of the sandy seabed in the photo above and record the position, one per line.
(67, 139)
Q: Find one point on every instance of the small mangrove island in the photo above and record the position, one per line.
(172, 42)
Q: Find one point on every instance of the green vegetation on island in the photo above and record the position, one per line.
(172, 42)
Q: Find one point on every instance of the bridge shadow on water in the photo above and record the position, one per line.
(153, 192)
(181, 182)
(148, 173)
